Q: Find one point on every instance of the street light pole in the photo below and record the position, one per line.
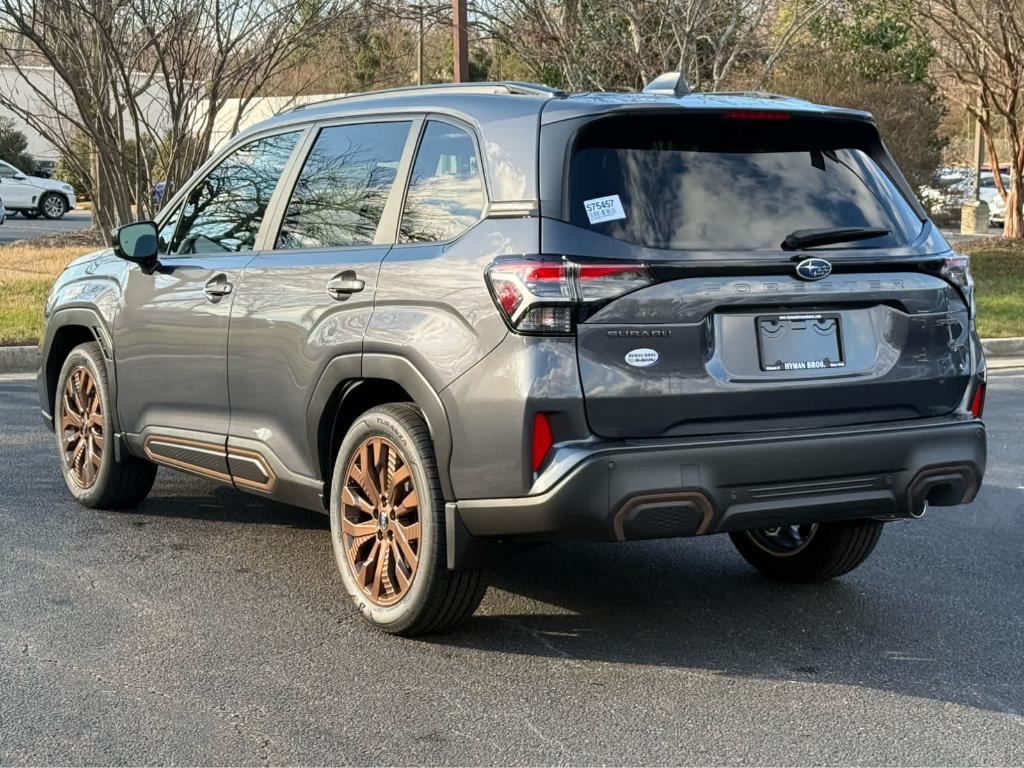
(460, 41)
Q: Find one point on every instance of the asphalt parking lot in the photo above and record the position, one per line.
(210, 627)
(20, 228)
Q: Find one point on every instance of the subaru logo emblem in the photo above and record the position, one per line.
(813, 269)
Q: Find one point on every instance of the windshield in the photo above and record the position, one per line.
(711, 182)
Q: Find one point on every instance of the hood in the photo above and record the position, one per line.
(54, 184)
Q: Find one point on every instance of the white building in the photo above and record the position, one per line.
(24, 87)
(257, 109)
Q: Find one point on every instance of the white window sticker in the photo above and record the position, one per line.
(604, 209)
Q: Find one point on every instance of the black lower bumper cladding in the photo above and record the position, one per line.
(632, 490)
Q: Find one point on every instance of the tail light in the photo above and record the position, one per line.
(978, 401)
(545, 295)
(956, 269)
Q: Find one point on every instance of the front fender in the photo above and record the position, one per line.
(56, 344)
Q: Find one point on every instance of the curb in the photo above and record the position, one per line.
(26, 359)
(1013, 347)
(19, 359)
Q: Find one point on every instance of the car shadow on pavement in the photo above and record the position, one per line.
(695, 605)
(901, 623)
(213, 501)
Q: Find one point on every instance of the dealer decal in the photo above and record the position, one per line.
(600, 209)
(642, 358)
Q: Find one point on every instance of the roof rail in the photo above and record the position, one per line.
(510, 87)
(669, 84)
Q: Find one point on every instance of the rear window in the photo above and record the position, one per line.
(712, 182)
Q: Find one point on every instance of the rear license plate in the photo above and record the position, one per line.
(799, 342)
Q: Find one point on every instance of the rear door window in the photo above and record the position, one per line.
(712, 183)
(446, 188)
(340, 195)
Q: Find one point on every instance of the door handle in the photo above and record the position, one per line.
(342, 286)
(217, 287)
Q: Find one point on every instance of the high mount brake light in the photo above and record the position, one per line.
(755, 114)
(542, 296)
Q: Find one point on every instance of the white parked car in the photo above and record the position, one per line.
(989, 193)
(33, 195)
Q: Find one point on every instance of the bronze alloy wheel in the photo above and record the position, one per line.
(81, 425)
(380, 521)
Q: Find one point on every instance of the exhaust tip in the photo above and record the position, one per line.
(921, 511)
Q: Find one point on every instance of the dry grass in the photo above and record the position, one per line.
(26, 273)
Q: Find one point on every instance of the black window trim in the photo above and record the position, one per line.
(485, 209)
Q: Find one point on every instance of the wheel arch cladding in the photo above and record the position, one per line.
(68, 329)
(350, 387)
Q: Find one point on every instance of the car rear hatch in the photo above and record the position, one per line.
(735, 332)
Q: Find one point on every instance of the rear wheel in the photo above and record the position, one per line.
(31, 213)
(85, 433)
(388, 527)
(813, 552)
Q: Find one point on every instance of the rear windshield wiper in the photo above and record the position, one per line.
(811, 238)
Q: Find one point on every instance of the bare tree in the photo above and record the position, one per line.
(146, 79)
(625, 43)
(979, 63)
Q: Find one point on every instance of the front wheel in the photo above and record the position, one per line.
(809, 553)
(53, 206)
(388, 527)
(83, 423)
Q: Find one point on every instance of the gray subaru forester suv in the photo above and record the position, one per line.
(459, 317)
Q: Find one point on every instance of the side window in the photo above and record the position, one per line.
(446, 189)
(224, 211)
(7, 171)
(340, 195)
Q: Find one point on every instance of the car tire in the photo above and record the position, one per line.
(53, 206)
(388, 527)
(822, 552)
(31, 213)
(84, 430)
(12, 214)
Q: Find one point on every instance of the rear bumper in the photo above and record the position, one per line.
(635, 490)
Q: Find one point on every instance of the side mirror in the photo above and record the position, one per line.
(20, 176)
(136, 242)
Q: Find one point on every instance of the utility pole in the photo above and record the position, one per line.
(419, 47)
(979, 155)
(975, 212)
(460, 41)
